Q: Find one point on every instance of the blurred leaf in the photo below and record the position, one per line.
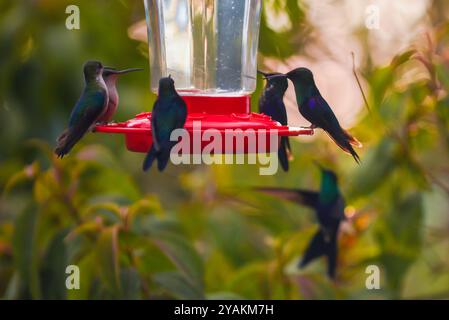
(52, 272)
(130, 284)
(27, 174)
(399, 236)
(402, 58)
(183, 255)
(376, 167)
(107, 252)
(178, 286)
(224, 296)
(24, 246)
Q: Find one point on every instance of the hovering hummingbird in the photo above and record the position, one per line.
(329, 205)
(169, 113)
(272, 104)
(90, 107)
(317, 111)
(110, 76)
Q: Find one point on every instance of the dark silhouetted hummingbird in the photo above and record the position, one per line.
(110, 76)
(169, 113)
(329, 207)
(90, 107)
(317, 111)
(272, 104)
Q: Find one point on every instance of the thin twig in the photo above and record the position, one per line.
(354, 71)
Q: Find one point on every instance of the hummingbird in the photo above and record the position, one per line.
(90, 107)
(110, 76)
(317, 111)
(272, 104)
(329, 206)
(169, 113)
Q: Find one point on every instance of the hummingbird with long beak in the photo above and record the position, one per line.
(317, 111)
(88, 110)
(272, 104)
(328, 204)
(169, 113)
(110, 76)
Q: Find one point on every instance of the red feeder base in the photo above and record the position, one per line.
(229, 117)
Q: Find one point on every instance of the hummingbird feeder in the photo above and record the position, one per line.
(209, 48)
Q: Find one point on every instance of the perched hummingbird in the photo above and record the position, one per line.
(272, 104)
(110, 76)
(169, 113)
(315, 109)
(329, 206)
(90, 107)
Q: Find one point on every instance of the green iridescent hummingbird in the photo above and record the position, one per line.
(88, 110)
(328, 204)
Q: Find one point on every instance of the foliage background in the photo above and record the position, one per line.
(198, 231)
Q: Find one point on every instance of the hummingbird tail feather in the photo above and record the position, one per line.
(162, 156)
(66, 141)
(352, 140)
(283, 154)
(149, 159)
(320, 246)
(342, 140)
(162, 159)
(289, 150)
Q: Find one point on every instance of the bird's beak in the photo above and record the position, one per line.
(264, 75)
(276, 76)
(249, 77)
(113, 71)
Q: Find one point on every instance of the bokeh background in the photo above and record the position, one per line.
(199, 231)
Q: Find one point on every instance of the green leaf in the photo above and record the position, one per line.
(402, 58)
(24, 246)
(183, 255)
(107, 252)
(28, 173)
(178, 286)
(52, 273)
(375, 169)
(130, 284)
(224, 296)
(399, 235)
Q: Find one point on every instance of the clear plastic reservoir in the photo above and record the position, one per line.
(209, 47)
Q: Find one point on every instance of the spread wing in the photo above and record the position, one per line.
(304, 197)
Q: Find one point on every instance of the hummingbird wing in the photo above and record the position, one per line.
(88, 109)
(168, 115)
(320, 114)
(304, 197)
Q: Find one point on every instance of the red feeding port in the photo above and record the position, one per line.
(208, 117)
